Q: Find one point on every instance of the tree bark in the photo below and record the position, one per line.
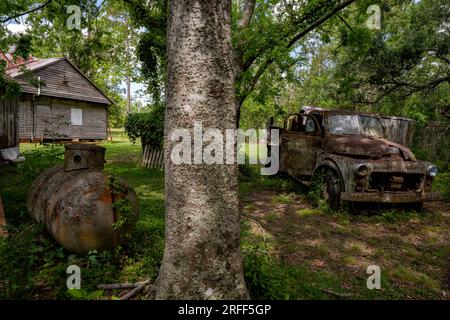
(249, 7)
(201, 255)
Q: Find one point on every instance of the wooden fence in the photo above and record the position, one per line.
(9, 124)
(153, 158)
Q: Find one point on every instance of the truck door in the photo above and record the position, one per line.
(299, 143)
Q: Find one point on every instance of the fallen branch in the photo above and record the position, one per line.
(116, 286)
(337, 294)
(135, 291)
(137, 287)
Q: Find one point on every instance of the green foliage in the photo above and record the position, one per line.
(123, 211)
(270, 279)
(149, 126)
(21, 42)
(96, 268)
(20, 256)
(442, 184)
(151, 19)
(315, 192)
(404, 57)
(400, 70)
(81, 294)
(116, 111)
(263, 277)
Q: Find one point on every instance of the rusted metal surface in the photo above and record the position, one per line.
(390, 172)
(75, 205)
(388, 197)
(296, 163)
(360, 146)
(83, 156)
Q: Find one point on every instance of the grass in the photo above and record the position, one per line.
(291, 249)
(32, 262)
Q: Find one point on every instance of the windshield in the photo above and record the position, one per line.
(353, 124)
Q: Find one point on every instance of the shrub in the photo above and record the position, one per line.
(442, 184)
(148, 126)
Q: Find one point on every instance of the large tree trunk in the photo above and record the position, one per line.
(201, 256)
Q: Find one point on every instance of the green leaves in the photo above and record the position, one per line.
(81, 294)
(404, 57)
(151, 19)
(149, 126)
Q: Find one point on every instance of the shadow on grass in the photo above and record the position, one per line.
(294, 250)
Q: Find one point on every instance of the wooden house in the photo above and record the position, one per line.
(58, 102)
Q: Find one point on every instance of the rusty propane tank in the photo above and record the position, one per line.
(75, 202)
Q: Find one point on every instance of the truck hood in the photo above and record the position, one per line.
(363, 146)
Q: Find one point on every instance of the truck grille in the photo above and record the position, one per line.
(383, 181)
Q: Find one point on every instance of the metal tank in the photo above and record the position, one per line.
(75, 202)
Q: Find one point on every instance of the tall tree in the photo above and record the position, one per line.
(11, 11)
(150, 17)
(201, 256)
(264, 33)
(102, 46)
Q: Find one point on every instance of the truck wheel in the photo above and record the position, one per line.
(327, 186)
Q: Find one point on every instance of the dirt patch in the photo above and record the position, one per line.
(413, 252)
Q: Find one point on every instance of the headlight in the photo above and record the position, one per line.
(361, 170)
(432, 171)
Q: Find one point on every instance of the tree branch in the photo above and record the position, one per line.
(414, 88)
(249, 7)
(26, 12)
(296, 38)
(345, 22)
(319, 21)
(251, 59)
(255, 79)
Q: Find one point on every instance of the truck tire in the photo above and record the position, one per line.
(329, 187)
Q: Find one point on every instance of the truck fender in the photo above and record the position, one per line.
(330, 164)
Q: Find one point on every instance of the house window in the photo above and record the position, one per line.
(76, 117)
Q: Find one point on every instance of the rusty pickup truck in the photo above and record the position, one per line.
(359, 157)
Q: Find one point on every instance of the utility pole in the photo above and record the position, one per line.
(128, 78)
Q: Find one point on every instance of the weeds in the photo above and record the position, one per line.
(34, 266)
